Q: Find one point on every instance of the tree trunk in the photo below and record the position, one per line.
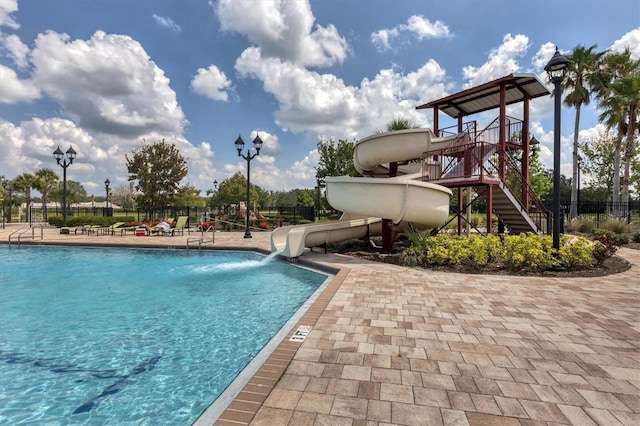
(615, 196)
(628, 155)
(573, 210)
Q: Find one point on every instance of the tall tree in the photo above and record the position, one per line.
(24, 183)
(123, 195)
(158, 169)
(336, 158)
(627, 89)
(581, 76)
(189, 196)
(46, 181)
(598, 160)
(233, 191)
(618, 101)
(75, 193)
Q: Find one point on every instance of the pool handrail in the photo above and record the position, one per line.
(24, 229)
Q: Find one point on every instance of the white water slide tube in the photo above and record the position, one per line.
(291, 241)
(401, 198)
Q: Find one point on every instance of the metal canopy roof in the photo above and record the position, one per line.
(487, 96)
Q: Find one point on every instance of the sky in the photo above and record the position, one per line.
(106, 76)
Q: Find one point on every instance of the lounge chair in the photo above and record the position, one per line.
(181, 223)
(74, 229)
(112, 229)
(160, 230)
(92, 229)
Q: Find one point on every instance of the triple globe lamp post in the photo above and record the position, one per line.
(64, 160)
(257, 143)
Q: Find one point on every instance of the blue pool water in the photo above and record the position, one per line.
(132, 336)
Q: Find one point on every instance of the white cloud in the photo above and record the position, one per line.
(417, 25)
(543, 55)
(212, 83)
(13, 90)
(7, 7)
(284, 29)
(502, 61)
(167, 23)
(107, 83)
(16, 49)
(382, 38)
(424, 28)
(268, 175)
(270, 143)
(322, 104)
(630, 40)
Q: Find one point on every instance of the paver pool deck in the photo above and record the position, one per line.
(397, 346)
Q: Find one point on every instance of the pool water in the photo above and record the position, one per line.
(132, 336)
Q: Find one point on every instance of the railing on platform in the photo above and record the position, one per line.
(480, 163)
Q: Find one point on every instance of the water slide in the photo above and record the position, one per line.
(366, 200)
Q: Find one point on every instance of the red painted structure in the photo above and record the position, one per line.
(495, 161)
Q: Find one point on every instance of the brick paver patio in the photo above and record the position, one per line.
(409, 347)
(392, 345)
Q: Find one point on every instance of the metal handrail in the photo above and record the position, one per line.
(200, 239)
(24, 229)
(480, 160)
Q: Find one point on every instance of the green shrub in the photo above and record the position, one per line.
(636, 237)
(485, 250)
(413, 256)
(444, 249)
(57, 219)
(417, 239)
(529, 251)
(576, 252)
(513, 252)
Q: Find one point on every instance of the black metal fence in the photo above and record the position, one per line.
(597, 211)
(600, 211)
(283, 215)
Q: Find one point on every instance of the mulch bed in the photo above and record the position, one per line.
(612, 265)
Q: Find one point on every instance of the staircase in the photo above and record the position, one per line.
(480, 164)
(509, 210)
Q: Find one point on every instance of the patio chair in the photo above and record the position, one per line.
(91, 229)
(112, 229)
(160, 230)
(181, 223)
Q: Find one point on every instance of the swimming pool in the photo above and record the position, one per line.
(133, 336)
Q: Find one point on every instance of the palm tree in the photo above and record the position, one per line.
(24, 183)
(46, 180)
(581, 76)
(619, 100)
(628, 89)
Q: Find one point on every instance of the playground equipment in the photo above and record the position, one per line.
(373, 204)
(408, 173)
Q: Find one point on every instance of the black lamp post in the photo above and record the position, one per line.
(556, 70)
(106, 190)
(214, 204)
(534, 144)
(64, 162)
(257, 143)
(319, 187)
(9, 188)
